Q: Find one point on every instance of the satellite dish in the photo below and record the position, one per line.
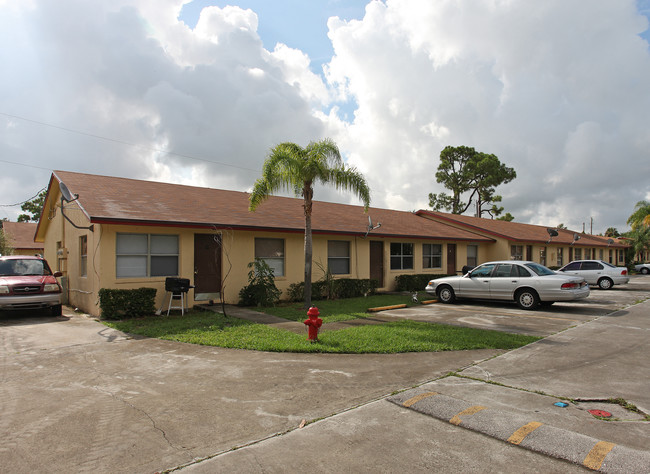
(576, 237)
(610, 241)
(371, 227)
(552, 232)
(65, 193)
(67, 196)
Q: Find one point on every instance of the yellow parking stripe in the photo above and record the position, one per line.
(519, 435)
(456, 420)
(417, 398)
(597, 454)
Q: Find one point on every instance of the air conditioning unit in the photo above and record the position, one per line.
(62, 252)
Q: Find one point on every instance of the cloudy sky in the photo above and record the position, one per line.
(197, 92)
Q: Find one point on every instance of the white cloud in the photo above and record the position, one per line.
(556, 89)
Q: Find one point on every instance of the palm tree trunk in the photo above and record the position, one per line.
(307, 194)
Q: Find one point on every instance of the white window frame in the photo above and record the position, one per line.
(277, 261)
(333, 261)
(431, 254)
(472, 261)
(516, 252)
(83, 255)
(401, 257)
(145, 255)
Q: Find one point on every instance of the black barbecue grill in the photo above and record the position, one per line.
(177, 288)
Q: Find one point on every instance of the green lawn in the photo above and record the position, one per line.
(343, 309)
(214, 329)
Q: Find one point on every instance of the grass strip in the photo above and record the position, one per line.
(214, 329)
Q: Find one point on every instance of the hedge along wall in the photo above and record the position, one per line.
(414, 282)
(120, 304)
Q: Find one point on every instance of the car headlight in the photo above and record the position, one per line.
(51, 287)
(4, 290)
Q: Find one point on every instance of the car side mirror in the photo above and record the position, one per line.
(58, 274)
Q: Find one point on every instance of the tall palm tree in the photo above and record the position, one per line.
(640, 240)
(641, 215)
(290, 167)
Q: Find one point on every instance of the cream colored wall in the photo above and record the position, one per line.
(81, 290)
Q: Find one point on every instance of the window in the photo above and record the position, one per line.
(272, 252)
(431, 256)
(621, 256)
(505, 270)
(83, 255)
(600, 254)
(560, 257)
(472, 255)
(578, 254)
(338, 257)
(484, 271)
(542, 255)
(610, 256)
(591, 266)
(572, 266)
(146, 255)
(587, 254)
(517, 252)
(401, 256)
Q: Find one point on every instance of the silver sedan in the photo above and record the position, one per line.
(529, 284)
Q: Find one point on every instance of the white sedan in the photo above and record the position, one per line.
(597, 272)
(529, 284)
(643, 268)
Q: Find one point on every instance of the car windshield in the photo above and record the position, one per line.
(540, 270)
(23, 267)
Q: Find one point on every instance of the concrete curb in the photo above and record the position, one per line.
(517, 429)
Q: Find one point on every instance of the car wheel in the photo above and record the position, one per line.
(446, 294)
(56, 310)
(605, 283)
(527, 299)
(645, 271)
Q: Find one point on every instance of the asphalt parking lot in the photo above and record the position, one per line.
(76, 396)
(507, 317)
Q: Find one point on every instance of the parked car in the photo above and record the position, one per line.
(643, 268)
(28, 283)
(529, 284)
(597, 272)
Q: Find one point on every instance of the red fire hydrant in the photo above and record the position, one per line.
(313, 324)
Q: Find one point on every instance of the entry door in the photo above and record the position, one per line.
(377, 261)
(207, 266)
(451, 259)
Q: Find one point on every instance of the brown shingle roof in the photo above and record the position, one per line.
(21, 235)
(518, 232)
(120, 200)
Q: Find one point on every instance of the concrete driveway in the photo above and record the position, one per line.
(76, 396)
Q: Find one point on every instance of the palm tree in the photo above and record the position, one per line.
(291, 167)
(641, 215)
(640, 241)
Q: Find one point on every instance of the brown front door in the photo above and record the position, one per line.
(207, 266)
(377, 261)
(451, 259)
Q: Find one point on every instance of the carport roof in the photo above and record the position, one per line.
(518, 232)
(112, 200)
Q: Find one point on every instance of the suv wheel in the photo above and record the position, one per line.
(56, 310)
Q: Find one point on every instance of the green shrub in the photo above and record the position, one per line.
(334, 289)
(119, 304)
(417, 282)
(261, 289)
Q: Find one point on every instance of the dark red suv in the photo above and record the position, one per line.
(28, 283)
